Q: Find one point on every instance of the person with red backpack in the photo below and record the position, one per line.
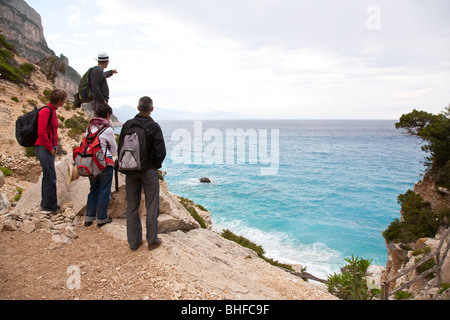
(100, 186)
(45, 149)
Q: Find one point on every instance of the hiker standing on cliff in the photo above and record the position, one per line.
(45, 149)
(100, 186)
(152, 151)
(99, 85)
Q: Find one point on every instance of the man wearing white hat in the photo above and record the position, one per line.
(99, 84)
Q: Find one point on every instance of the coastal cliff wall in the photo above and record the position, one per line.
(22, 26)
(402, 256)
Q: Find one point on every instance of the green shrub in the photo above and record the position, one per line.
(74, 133)
(419, 220)
(227, 234)
(351, 284)
(45, 97)
(444, 287)
(5, 44)
(416, 252)
(26, 68)
(403, 295)
(8, 68)
(444, 217)
(19, 194)
(29, 152)
(6, 171)
(160, 173)
(189, 205)
(435, 130)
(425, 266)
(77, 124)
(202, 208)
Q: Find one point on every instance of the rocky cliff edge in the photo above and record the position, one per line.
(41, 250)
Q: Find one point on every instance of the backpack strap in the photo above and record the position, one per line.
(91, 136)
(97, 133)
(144, 126)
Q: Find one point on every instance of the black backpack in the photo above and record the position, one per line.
(27, 127)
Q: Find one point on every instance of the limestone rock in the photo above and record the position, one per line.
(429, 193)
(70, 233)
(4, 203)
(61, 238)
(27, 226)
(173, 216)
(73, 192)
(22, 25)
(223, 268)
(2, 179)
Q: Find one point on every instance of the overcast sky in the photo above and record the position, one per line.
(346, 59)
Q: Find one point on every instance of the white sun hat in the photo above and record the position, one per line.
(102, 56)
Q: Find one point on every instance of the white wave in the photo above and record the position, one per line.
(318, 258)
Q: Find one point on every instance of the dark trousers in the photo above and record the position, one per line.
(48, 189)
(99, 196)
(148, 181)
(95, 104)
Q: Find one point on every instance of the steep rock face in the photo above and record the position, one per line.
(429, 193)
(22, 26)
(58, 71)
(401, 257)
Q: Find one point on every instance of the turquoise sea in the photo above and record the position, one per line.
(311, 192)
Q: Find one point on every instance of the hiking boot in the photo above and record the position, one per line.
(53, 211)
(108, 220)
(134, 248)
(154, 245)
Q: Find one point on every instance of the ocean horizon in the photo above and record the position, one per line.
(310, 192)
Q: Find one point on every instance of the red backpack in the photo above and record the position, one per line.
(89, 157)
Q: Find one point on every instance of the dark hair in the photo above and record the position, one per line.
(146, 104)
(103, 110)
(57, 95)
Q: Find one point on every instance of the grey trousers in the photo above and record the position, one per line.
(148, 181)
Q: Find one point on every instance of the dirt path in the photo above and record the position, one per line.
(94, 266)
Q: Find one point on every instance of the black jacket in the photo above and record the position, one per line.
(99, 84)
(156, 147)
